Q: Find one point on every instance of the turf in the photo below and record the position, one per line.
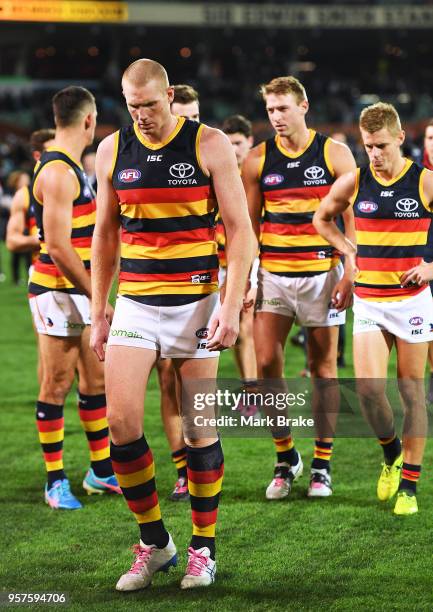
(345, 553)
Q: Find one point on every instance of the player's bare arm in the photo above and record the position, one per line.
(56, 187)
(423, 273)
(16, 240)
(218, 159)
(342, 162)
(105, 246)
(250, 178)
(334, 204)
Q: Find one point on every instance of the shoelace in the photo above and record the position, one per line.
(196, 562)
(142, 557)
(279, 481)
(320, 478)
(180, 484)
(64, 489)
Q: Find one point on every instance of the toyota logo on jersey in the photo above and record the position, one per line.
(407, 205)
(314, 173)
(182, 170)
(129, 175)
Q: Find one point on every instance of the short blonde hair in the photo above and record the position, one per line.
(379, 116)
(144, 70)
(285, 85)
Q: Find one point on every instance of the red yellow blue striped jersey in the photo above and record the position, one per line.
(30, 220)
(45, 275)
(392, 220)
(167, 212)
(293, 186)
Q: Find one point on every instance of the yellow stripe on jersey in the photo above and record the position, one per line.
(49, 281)
(306, 265)
(176, 251)
(295, 240)
(84, 220)
(393, 239)
(293, 206)
(379, 278)
(166, 210)
(83, 252)
(165, 288)
(428, 205)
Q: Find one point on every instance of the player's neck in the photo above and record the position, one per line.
(163, 133)
(393, 171)
(297, 141)
(70, 142)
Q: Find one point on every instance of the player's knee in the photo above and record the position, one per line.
(56, 385)
(323, 369)
(269, 364)
(122, 429)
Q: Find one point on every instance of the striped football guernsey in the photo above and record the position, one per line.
(30, 221)
(45, 275)
(167, 211)
(392, 220)
(293, 186)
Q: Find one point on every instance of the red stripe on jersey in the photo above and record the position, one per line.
(178, 276)
(158, 239)
(295, 229)
(142, 505)
(164, 194)
(392, 225)
(294, 256)
(377, 292)
(387, 264)
(207, 477)
(93, 415)
(96, 445)
(54, 425)
(309, 192)
(79, 210)
(133, 466)
(204, 519)
(84, 242)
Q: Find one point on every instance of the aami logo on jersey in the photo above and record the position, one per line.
(273, 179)
(416, 321)
(314, 176)
(406, 208)
(129, 175)
(367, 207)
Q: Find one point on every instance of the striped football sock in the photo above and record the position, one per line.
(93, 417)
(50, 424)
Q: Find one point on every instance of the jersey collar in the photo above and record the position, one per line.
(385, 183)
(299, 153)
(158, 145)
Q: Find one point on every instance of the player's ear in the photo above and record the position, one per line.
(304, 106)
(170, 94)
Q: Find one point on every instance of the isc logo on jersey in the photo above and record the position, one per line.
(314, 176)
(129, 175)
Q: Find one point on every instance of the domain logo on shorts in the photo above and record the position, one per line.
(129, 175)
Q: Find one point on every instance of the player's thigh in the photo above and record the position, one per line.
(411, 359)
(127, 372)
(59, 356)
(270, 334)
(90, 369)
(371, 354)
(322, 349)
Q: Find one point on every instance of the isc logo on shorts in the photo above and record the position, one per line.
(129, 175)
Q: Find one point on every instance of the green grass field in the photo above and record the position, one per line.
(345, 553)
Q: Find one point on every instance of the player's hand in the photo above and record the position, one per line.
(249, 298)
(418, 275)
(99, 332)
(109, 313)
(342, 294)
(223, 329)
